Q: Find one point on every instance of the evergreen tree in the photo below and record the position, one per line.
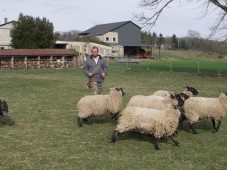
(161, 40)
(183, 44)
(154, 39)
(32, 33)
(174, 41)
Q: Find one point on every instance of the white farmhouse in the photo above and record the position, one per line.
(5, 34)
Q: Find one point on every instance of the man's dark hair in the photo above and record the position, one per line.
(95, 48)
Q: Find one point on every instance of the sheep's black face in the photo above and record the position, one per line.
(3, 107)
(184, 96)
(121, 89)
(179, 99)
(193, 90)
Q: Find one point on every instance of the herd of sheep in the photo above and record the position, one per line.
(159, 114)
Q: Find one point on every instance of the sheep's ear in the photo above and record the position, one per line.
(225, 93)
(118, 89)
(187, 87)
(172, 96)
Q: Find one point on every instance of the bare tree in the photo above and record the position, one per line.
(193, 34)
(158, 6)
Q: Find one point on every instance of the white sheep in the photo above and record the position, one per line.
(99, 105)
(189, 91)
(155, 102)
(160, 123)
(197, 108)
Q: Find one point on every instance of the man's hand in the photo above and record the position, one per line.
(103, 75)
(90, 74)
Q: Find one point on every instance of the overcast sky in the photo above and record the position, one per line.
(82, 14)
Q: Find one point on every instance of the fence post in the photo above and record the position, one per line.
(38, 62)
(170, 67)
(198, 67)
(12, 62)
(26, 62)
(148, 69)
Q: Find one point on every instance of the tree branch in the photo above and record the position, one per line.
(218, 4)
(151, 5)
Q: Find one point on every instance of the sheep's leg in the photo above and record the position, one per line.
(181, 120)
(114, 136)
(174, 141)
(176, 132)
(192, 128)
(115, 115)
(213, 123)
(85, 119)
(79, 120)
(219, 123)
(156, 144)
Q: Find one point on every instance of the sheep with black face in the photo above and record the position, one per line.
(156, 102)
(100, 105)
(189, 91)
(197, 108)
(159, 123)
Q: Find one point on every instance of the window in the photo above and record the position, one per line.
(107, 38)
(114, 39)
(2, 48)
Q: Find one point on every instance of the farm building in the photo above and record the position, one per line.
(83, 47)
(38, 58)
(5, 37)
(124, 37)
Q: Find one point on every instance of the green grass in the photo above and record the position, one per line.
(205, 67)
(174, 55)
(41, 131)
(180, 61)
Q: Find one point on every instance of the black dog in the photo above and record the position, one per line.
(3, 108)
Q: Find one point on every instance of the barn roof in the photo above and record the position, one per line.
(104, 28)
(35, 52)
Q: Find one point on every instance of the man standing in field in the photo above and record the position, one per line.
(95, 68)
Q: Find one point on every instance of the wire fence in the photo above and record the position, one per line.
(200, 67)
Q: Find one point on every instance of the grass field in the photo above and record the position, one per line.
(41, 131)
(205, 67)
(180, 61)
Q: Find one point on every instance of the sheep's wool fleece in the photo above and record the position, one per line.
(150, 121)
(98, 105)
(166, 93)
(162, 93)
(152, 101)
(202, 107)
